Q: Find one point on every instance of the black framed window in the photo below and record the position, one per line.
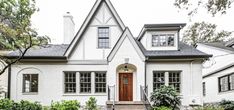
(30, 83)
(223, 84)
(103, 37)
(174, 80)
(85, 82)
(231, 81)
(70, 82)
(158, 79)
(204, 88)
(100, 82)
(163, 40)
(226, 83)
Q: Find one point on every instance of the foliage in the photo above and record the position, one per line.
(210, 107)
(6, 104)
(204, 32)
(65, 105)
(162, 108)
(166, 96)
(212, 6)
(227, 105)
(16, 32)
(91, 104)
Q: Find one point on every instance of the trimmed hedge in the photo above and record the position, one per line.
(6, 104)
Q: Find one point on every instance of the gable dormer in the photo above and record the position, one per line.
(160, 36)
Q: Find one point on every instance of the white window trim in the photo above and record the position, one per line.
(78, 93)
(166, 77)
(30, 93)
(109, 47)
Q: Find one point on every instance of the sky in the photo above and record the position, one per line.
(134, 13)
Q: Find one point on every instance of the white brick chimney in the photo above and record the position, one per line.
(68, 28)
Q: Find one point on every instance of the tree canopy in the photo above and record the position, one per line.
(204, 32)
(16, 32)
(212, 6)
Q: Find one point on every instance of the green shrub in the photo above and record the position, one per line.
(210, 107)
(166, 96)
(26, 105)
(162, 108)
(91, 104)
(6, 104)
(227, 105)
(65, 105)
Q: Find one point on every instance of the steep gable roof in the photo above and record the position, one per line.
(126, 34)
(89, 19)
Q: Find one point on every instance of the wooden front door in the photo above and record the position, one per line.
(125, 87)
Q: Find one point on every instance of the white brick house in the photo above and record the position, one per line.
(104, 53)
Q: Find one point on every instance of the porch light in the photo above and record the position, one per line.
(126, 68)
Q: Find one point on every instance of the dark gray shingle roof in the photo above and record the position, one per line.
(49, 50)
(164, 25)
(185, 51)
(220, 45)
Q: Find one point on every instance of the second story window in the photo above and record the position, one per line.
(103, 37)
(163, 40)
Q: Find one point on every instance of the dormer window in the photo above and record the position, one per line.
(163, 40)
(103, 37)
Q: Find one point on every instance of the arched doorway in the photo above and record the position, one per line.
(125, 81)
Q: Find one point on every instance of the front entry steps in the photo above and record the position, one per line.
(125, 105)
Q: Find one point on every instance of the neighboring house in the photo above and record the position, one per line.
(218, 72)
(105, 61)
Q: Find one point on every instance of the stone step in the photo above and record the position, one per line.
(126, 105)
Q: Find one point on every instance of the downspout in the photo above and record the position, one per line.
(146, 74)
(191, 77)
(9, 83)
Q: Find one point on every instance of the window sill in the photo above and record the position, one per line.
(225, 92)
(30, 93)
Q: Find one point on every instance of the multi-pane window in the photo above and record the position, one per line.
(223, 82)
(85, 82)
(158, 79)
(204, 88)
(103, 37)
(174, 80)
(30, 82)
(70, 82)
(226, 83)
(171, 78)
(162, 40)
(100, 82)
(232, 81)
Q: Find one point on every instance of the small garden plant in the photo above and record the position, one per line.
(65, 105)
(91, 104)
(165, 98)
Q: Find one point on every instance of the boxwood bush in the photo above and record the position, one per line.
(65, 105)
(6, 104)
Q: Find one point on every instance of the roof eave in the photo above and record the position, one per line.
(180, 57)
